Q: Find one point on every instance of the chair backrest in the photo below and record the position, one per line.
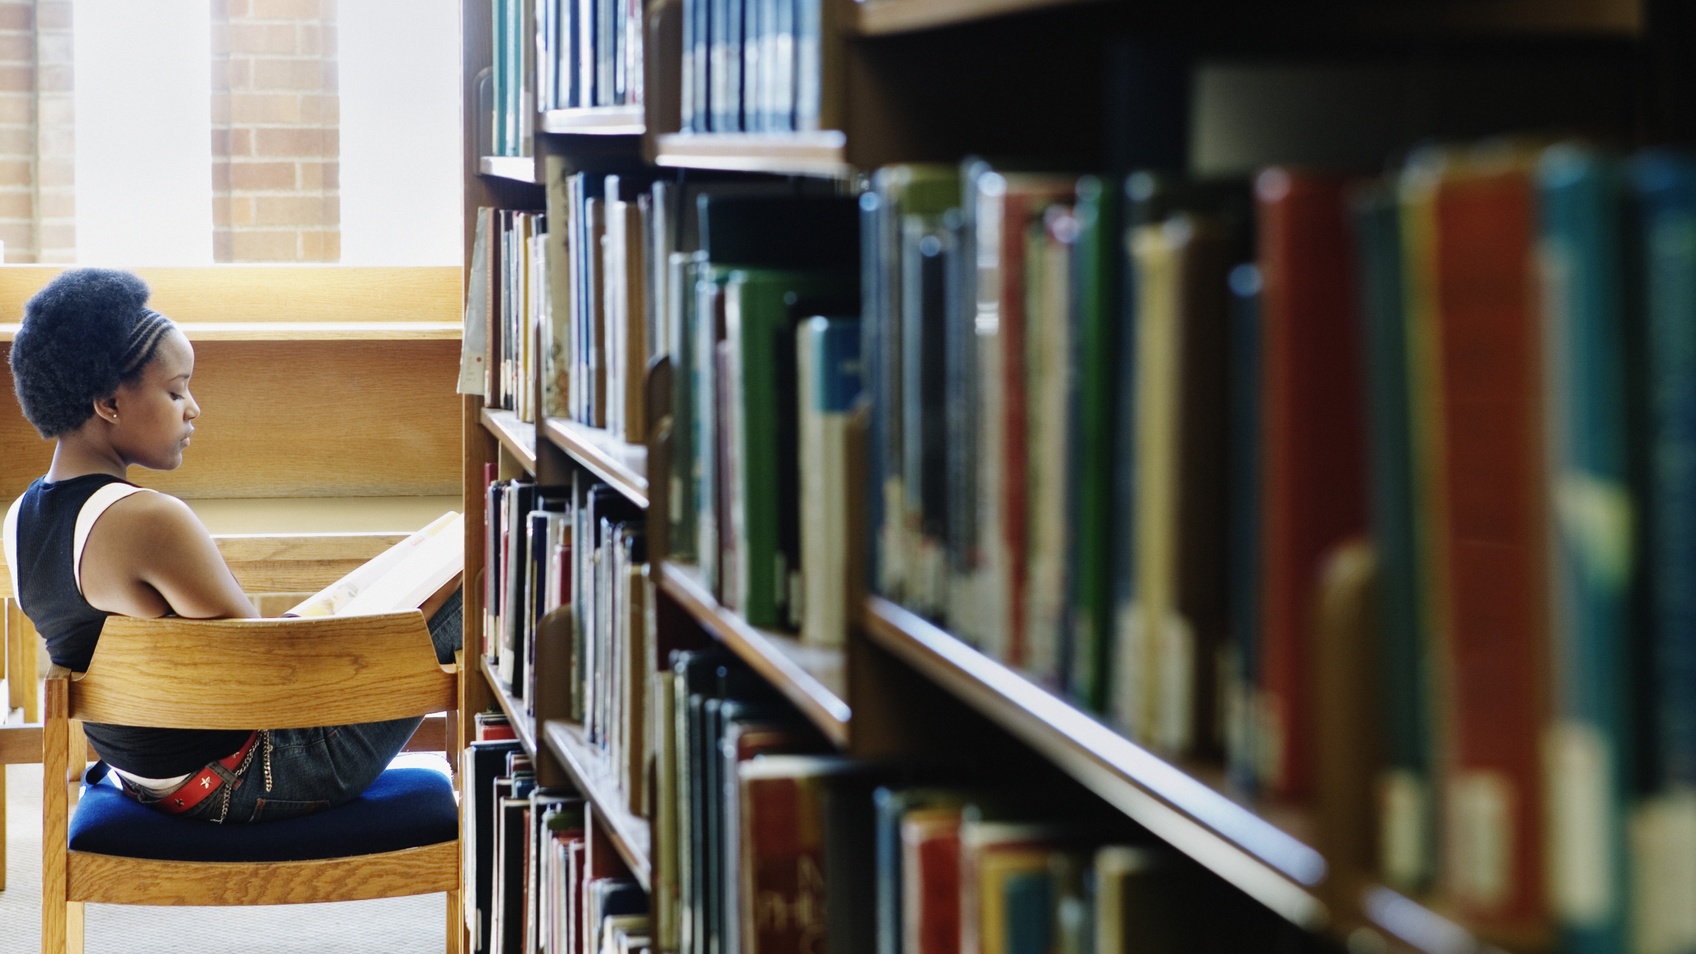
(262, 673)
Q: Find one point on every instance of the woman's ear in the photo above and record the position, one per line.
(106, 408)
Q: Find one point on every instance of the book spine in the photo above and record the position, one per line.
(1315, 457)
(1664, 203)
(1494, 544)
(1404, 789)
(1581, 212)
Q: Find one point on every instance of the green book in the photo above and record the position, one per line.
(1095, 340)
(761, 310)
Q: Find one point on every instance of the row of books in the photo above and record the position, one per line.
(583, 303)
(512, 256)
(599, 338)
(535, 887)
(500, 785)
(580, 53)
(775, 296)
(758, 66)
(566, 576)
(766, 840)
(510, 101)
(1527, 312)
(588, 54)
(1477, 362)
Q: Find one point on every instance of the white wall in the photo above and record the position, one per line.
(143, 128)
(401, 193)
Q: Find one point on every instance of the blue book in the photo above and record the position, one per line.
(890, 803)
(1028, 897)
(828, 377)
(724, 64)
(1581, 203)
(1663, 195)
(1242, 528)
(780, 74)
(1404, 673)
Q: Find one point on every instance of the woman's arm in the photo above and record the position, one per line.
(148, 555)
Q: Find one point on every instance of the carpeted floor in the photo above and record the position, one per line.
(391, 926)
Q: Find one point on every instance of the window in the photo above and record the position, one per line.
(188, 132)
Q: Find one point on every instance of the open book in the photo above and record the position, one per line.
(402, 577)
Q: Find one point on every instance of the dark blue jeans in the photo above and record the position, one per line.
(293, 772)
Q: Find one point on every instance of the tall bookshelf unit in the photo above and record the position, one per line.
(937, 81)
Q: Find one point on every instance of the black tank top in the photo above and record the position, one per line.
(46, 583)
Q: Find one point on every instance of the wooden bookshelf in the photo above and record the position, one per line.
(906, 76)
(1260, 858)
(518, 437)
(808, 154)
(516, 168)
(622, 465)
(594, 121)
(594, 778)
(811, 677)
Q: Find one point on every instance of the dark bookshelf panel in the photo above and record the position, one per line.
(589, 770)
(812, 677)
(518, 437)
(623, 466)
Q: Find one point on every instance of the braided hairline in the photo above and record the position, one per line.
(144, 338)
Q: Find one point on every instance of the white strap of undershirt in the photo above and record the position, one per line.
(91, 511)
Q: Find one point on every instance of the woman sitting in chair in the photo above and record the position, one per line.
(108, 378)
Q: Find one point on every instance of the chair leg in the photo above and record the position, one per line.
(73, 927)
(2, 827)
(456, 924)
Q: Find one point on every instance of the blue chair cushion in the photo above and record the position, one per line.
(403, 808)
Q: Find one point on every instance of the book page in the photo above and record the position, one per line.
(401, 577)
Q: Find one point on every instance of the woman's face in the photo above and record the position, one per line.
(155, 411)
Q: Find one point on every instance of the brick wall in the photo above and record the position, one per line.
(37, 131)
(275, 142)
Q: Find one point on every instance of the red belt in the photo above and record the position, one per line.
(203, 782)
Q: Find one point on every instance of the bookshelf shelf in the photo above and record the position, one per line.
(519, 168)
(595, 121)
(624, 466)
(629, 834)
(522, 722)
(814, 154)
(891, 17)
(812, 677)
(1258, 857)
(518, 437)
(1472, 18)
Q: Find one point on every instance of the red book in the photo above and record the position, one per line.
(783, 863)
(1008, 205)
(930, 879)
(1473, 224)
(1313, 494)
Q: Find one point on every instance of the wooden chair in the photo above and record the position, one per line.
(235, 674)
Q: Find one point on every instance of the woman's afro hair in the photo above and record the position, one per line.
(71, 350)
